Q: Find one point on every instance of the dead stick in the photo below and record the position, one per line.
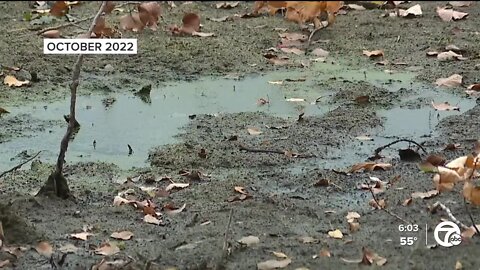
(226, 236)
(19, 165)
(449, 214)
(73, 99)
(379, 149)
(64, 25)
(225, 242)
(384, 209)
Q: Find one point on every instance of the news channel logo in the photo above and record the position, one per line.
(447, 234)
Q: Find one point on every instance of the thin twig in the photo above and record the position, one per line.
(449, 214)
(379, 149)
(470, 216)
(226, 236)
(73, 99)
(19, 165)
(384, 209)
(64, 25)
(227, 233)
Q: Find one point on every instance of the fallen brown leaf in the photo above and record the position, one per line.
(107, 249)
(407, 202)
(369, 258)
(372, 54)
(324, 253)
(4, 263)
(51, 34)
(176, 186)
(149, 13)
(452, 81)
(172, 210)
(151, 220)
(337, 234)
(45, 249)
(273, 264)
(59, 9)
(131, 22)
(370, 166)
(249, 240)
(471, 192)
(448, 15)
(308, 240)
(320, 52)
(81, 236)
(12, 81)
(425, 195)
(413, 11)
(450, 55)
(380, 205)
(354, 226)
(123, 235)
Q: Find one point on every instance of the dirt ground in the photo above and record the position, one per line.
(284, 209)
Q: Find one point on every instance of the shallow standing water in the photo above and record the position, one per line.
(131, 121)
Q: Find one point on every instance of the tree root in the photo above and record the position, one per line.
(56, 185)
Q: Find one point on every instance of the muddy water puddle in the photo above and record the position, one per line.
(110, 123)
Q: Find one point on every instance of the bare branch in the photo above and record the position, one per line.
(449, 214)
(73, 99)
(20, 165)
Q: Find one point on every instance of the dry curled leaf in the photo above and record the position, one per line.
(295, 51)
(372, 54)
(151, 220)
(320, 52)
(452, 81)
(107, 249)
(149, 14)
(249, 240)
(123, 235)
(45, 249)
(460, 3)
(448, 15)
(370, 166)
(81, 236)
(337, 234)
(413, 11)
(425, 195)
(176, 186)
(59, 9)
(172, 210)
(471, 192)
(131, 22)
(369, 258)
(51, 34)
(12, 81)
(273, 264)
(450, 55)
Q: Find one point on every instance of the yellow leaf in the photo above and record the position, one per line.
(337, 234)
(12, 81)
